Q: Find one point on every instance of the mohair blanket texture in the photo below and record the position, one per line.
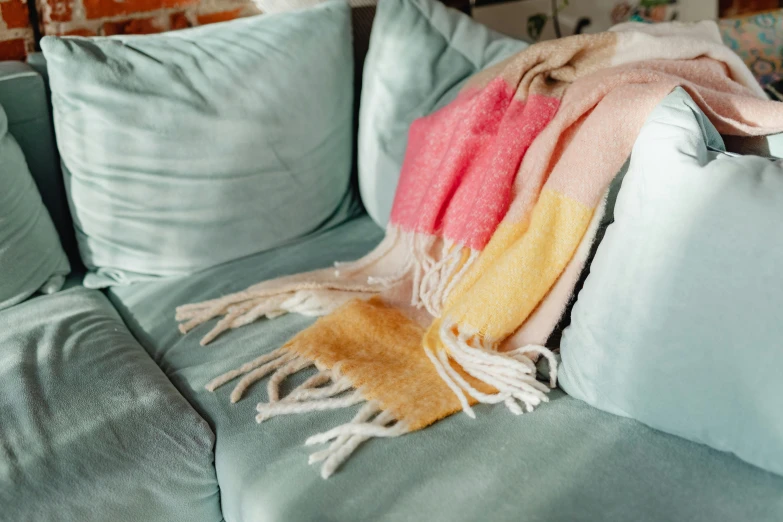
(497, 206)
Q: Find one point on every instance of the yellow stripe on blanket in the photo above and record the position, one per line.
(507, 287)
(522, 262)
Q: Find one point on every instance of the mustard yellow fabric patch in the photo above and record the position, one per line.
(379, 350)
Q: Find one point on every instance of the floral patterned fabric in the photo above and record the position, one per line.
(758, 39)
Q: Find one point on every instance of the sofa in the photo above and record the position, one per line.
(104, 415)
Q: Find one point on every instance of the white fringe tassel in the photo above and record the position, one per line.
(512, 373)
(432, 282)
(288, 285)
(441, 278)
(348, 437)
(293, 294)
(369, 409)
(309, 302)
(326, 390)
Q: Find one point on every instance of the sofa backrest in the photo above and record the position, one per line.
(362, 17)
(24, 94)
(24, 97)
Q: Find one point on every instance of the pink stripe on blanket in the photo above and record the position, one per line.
(441, 146)
(458, 182)
(486, 193)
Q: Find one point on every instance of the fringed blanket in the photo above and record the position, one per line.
(496, 209)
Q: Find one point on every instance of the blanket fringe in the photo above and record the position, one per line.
(326, 390)
(432, 282)
(294, 283)
(307, 302)
(512, 373)
(432, 279)
(321, 295)
(348, 437)
(442, 277)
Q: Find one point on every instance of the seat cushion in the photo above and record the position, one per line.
(566, 461)
(90, 428)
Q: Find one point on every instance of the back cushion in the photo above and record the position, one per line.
(185, 150)
(26, 102)
(31, 258)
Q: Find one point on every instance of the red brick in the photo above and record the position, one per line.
(729, 8)
(179, 21)
(103, 8)
(80, 32)
(223, 16)
(59, 10)
(15, 14)
(13, 49)
(133, 26)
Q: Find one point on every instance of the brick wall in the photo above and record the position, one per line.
(729, 8)
(16, 34)
(108, 17)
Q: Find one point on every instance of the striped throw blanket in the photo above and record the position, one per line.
(494, 216)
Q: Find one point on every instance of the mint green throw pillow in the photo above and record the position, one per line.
(188, 149)
(421, 52)
(776, 145)
(31, 257)
(679, 322)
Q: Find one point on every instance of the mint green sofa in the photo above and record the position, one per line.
(104, 415)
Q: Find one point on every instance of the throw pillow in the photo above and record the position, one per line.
(189, 149)
(678, 324)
